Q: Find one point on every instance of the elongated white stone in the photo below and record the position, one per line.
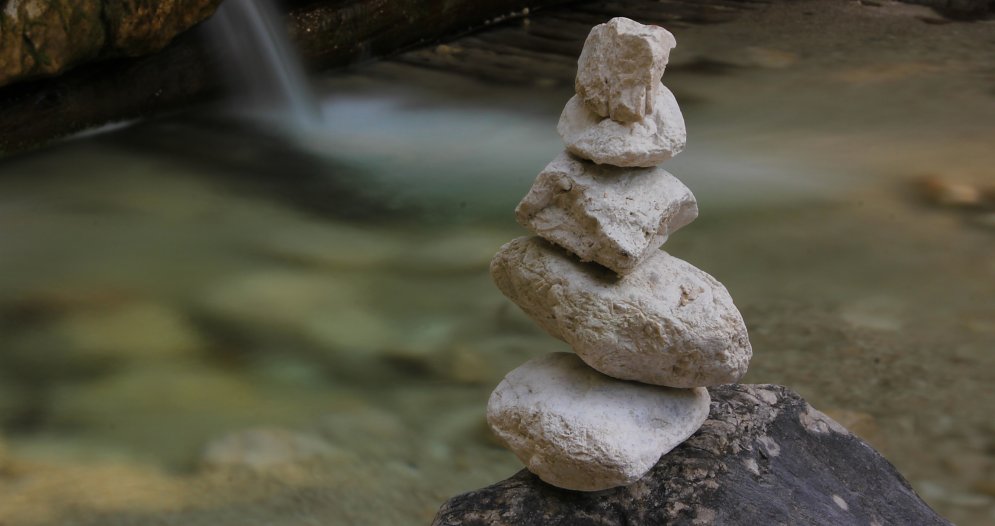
(620, 66)
(665, 323)
(649, 141)
(578, 429)
(616, 217)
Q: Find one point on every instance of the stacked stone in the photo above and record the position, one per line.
(650, 331)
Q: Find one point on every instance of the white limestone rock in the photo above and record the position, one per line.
(620, 67)
(578, 429)
(616, 217)
(650, 141)
(666, 323)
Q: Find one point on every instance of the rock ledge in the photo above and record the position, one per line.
(764, 456)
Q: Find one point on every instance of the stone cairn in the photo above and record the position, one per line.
(650, 331)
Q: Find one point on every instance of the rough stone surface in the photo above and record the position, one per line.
(616, 217)
(666, 323)
(620, 67)
(578, 429)
(646, 142)
(764, 456)
(45, 37)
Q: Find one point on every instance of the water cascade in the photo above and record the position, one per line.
(262, 65)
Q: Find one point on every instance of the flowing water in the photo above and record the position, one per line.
(265, 73)
(206, 322)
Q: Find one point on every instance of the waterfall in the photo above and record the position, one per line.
(262, 65)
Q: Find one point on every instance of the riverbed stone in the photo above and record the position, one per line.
(647, 142)
(758, 459)
(666, 323)
(620, 67)
(616, 217)
(578, 429)
(266, 448)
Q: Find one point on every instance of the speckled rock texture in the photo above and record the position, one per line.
(666, 323)
(616, 217)
(45, 37)
(764, 456)
(578, 429)
(649, 141)
(620, 67)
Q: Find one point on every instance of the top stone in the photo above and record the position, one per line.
(620, 67)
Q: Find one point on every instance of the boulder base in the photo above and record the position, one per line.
(764, 456)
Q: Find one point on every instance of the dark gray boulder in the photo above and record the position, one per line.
(764, 457)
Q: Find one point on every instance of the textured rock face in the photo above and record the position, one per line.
(579, 429)
(764, 456)
(620, 67)
(646, 142)
(617, 217)
(45, 37)
(666, 323)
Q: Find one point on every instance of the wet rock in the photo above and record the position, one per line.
(617, 217)
(483, 360)
(366, 430)
(446, 252)
(137, 331)
(578, 429)
(326, 312)
(764, 456)
(266, 448)
(332, 246)
(666, 323)
(91, 340)
(647, 142)
(620, 67)
(131, 408)
(42, 38)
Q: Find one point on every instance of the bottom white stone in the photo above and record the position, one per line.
(578, 429)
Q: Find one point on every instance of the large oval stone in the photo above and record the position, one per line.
(665, 323)
(578, 429)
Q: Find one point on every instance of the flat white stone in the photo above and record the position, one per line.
(665, 323)
(616, 217)
(578, 429)
(649, 141)
(620, 67)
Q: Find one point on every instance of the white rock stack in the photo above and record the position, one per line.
(650, 331)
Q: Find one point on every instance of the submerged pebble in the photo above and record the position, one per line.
(266, 448)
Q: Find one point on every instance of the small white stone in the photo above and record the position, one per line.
(665, 323)
(578, 429)
(620, 66)
(649, 141)
(616, 217)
